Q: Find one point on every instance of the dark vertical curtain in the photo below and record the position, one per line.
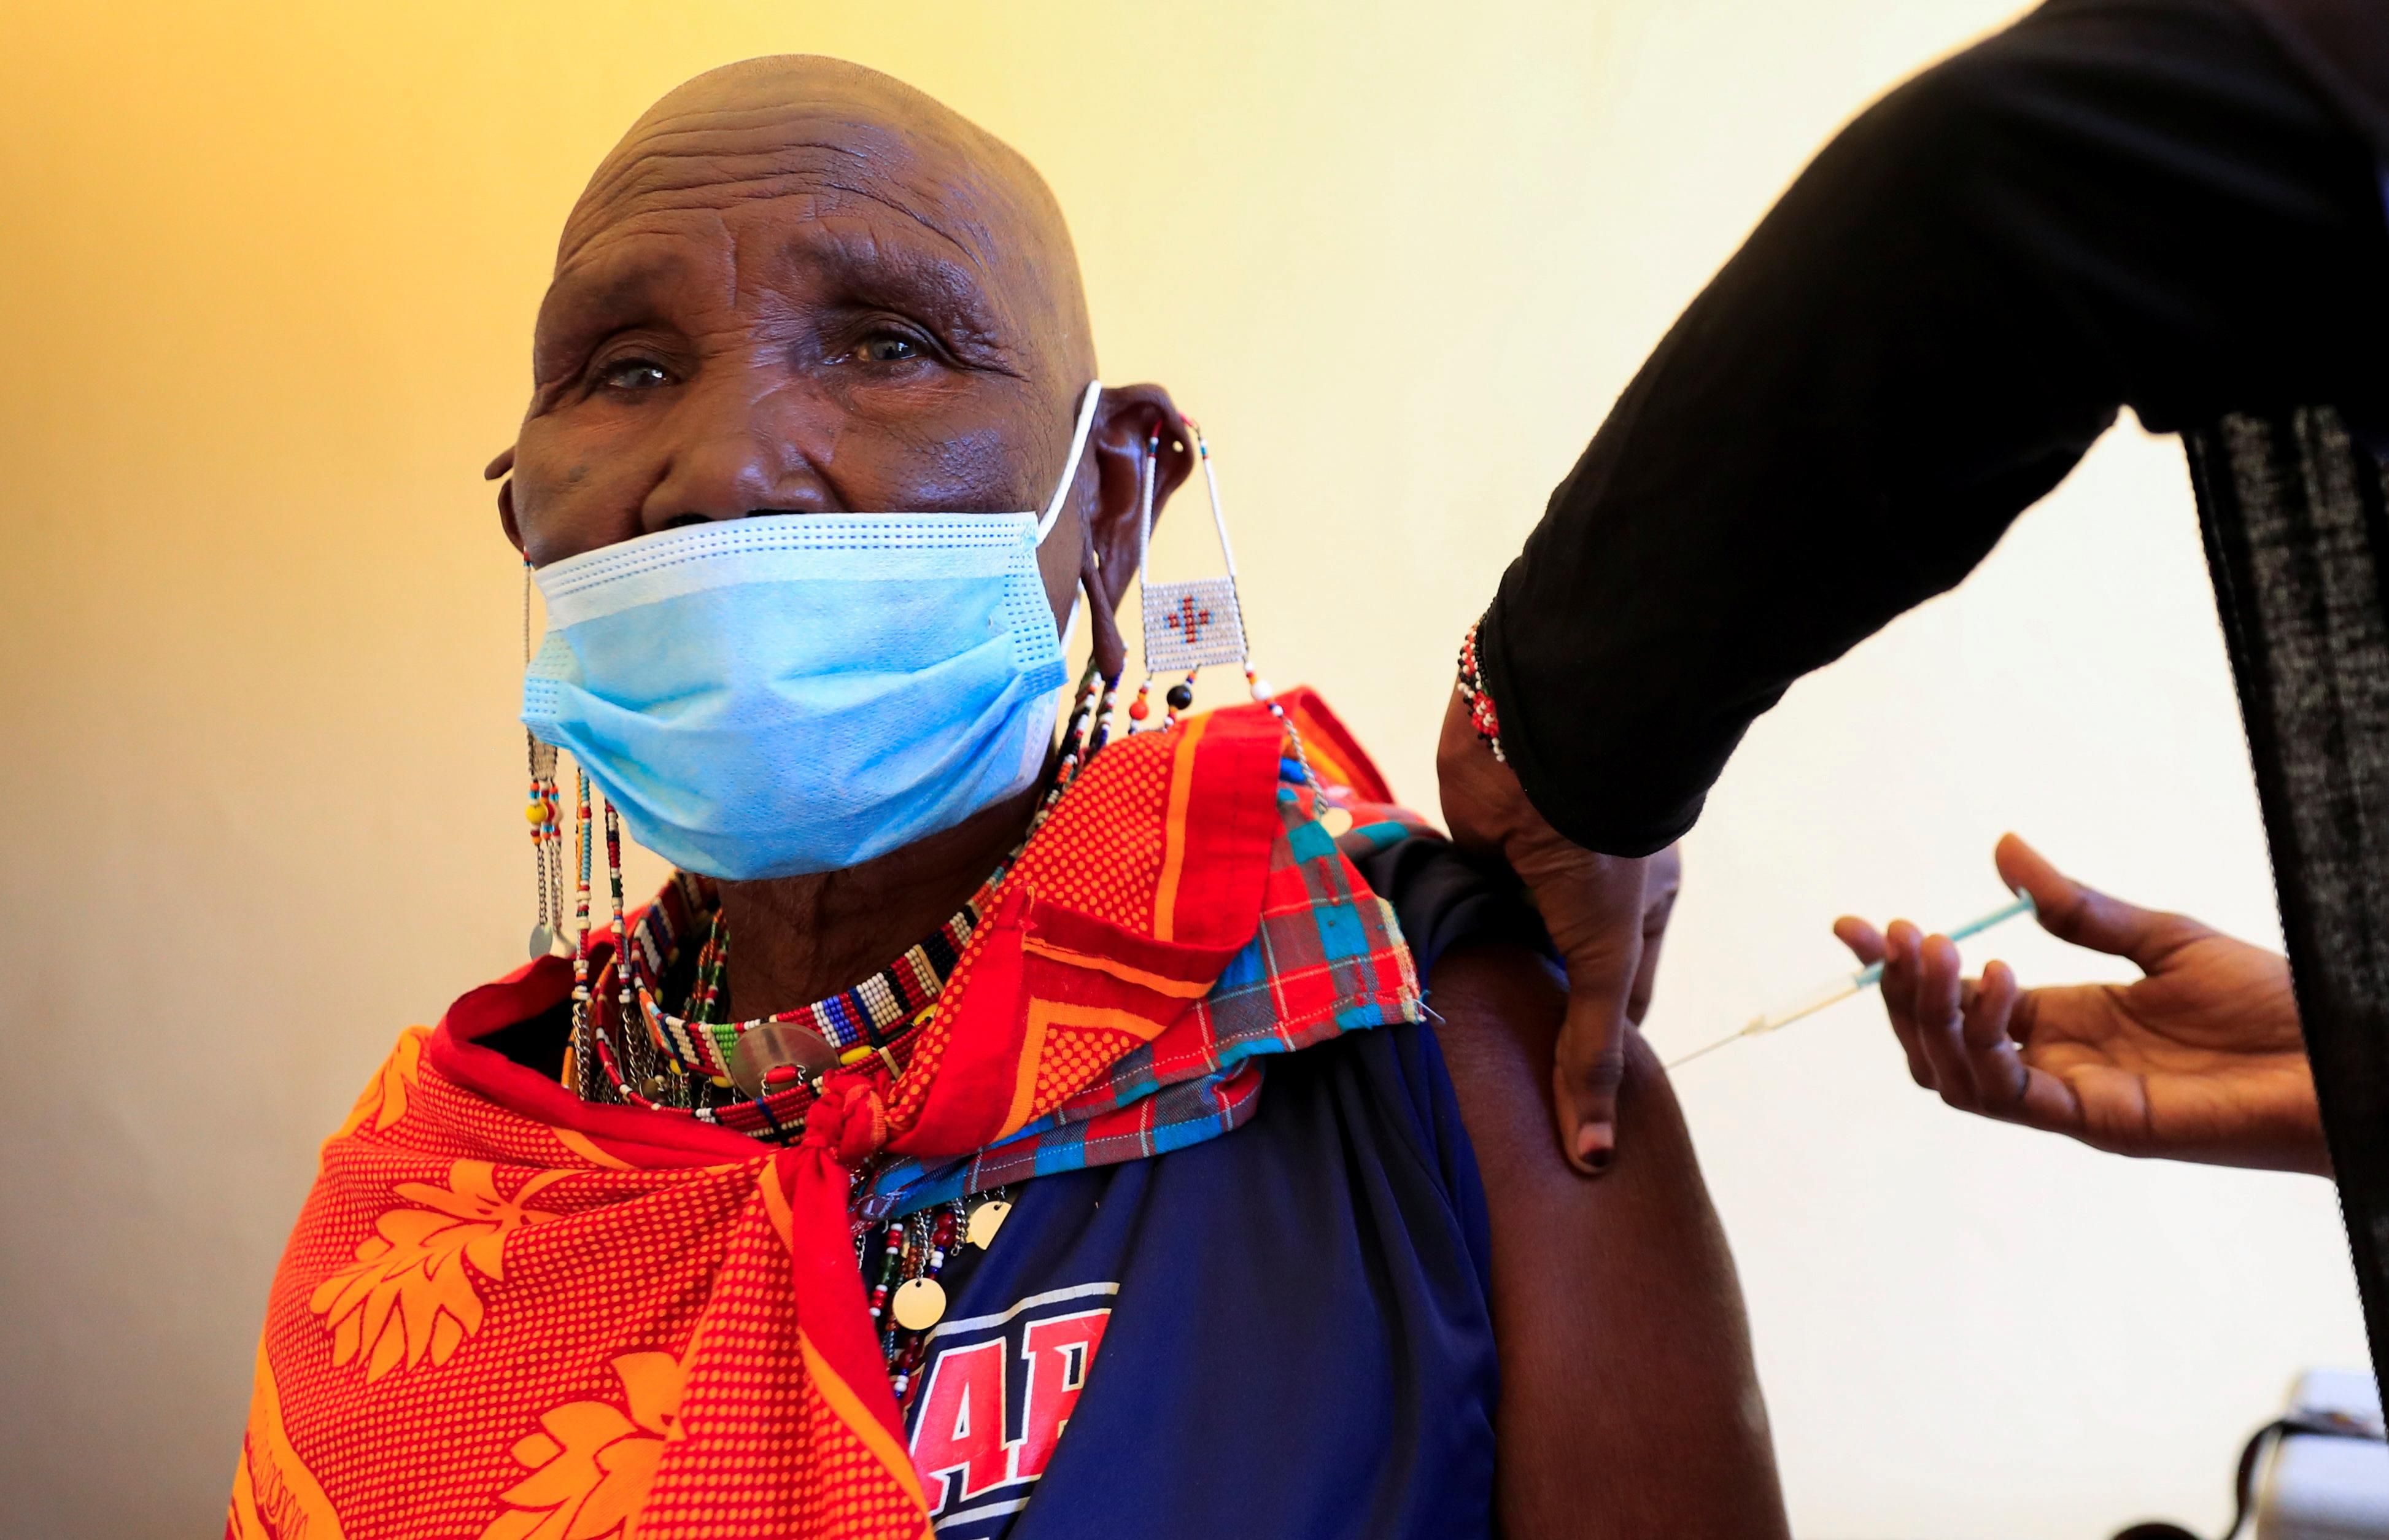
(2292, 511)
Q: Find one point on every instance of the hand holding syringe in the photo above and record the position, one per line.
(1842, 988)
(2200, 1059)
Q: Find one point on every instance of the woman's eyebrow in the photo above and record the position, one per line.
(941, 291)
(618, 288)
(626, 271)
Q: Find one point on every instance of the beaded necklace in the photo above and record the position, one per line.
(907, 1300)
(856, 1022)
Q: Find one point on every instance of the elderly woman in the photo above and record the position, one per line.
(981, 1135)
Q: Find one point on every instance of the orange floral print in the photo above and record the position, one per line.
(592, 1461)
(410, 1294)
(383, 1102)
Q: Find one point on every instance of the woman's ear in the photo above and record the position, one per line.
(1134, 423)
(500, 466)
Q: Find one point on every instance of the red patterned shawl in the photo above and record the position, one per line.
(508, 1315)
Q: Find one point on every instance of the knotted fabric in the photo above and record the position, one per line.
(508, 1315)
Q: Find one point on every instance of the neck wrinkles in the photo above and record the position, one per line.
(795, 940)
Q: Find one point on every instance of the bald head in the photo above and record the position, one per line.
(823, 138)
(797, 285)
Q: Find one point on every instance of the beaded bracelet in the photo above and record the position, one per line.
(1481, 715)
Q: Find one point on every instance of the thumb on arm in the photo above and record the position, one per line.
(1592, 904)
(1587, 1068)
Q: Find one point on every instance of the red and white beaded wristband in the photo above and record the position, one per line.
(1481, 715)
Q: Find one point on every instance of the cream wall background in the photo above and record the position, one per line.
(265, 294)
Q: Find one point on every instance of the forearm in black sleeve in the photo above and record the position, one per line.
(2115, 202)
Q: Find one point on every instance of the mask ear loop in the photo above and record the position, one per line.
(1086, 705)
(1076, 741)
(1087, 405)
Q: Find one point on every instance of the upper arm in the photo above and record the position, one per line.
(1629, 1405)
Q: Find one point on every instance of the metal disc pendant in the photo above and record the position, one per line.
(1337, 822)
(985, 1220)
(920, 1304)
(761, 1049)
(541, 941)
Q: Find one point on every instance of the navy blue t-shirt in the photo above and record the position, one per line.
(1284, 1332)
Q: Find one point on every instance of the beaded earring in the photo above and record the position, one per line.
(1197, 621)
(546, 819)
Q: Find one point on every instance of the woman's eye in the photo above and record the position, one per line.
(889, 347)
(633, 373)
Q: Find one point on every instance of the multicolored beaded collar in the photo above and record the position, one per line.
(855, 1021)
(694, 1062)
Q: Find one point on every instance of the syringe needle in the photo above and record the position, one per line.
(1831, 994)
(1706, 1047)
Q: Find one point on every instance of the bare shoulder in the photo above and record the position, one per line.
(1629, 1404)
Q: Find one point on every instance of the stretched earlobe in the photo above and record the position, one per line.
(1110, 652)
(504, 466)
(500, 466)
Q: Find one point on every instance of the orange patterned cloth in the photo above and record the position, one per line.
(504, 1315)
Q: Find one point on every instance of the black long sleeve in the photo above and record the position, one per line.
(2113, 203)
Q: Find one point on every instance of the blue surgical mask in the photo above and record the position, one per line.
(785, 694)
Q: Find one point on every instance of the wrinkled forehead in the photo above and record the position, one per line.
(849, 184)
(820, 153)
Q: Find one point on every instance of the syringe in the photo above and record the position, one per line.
(1842, 988)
